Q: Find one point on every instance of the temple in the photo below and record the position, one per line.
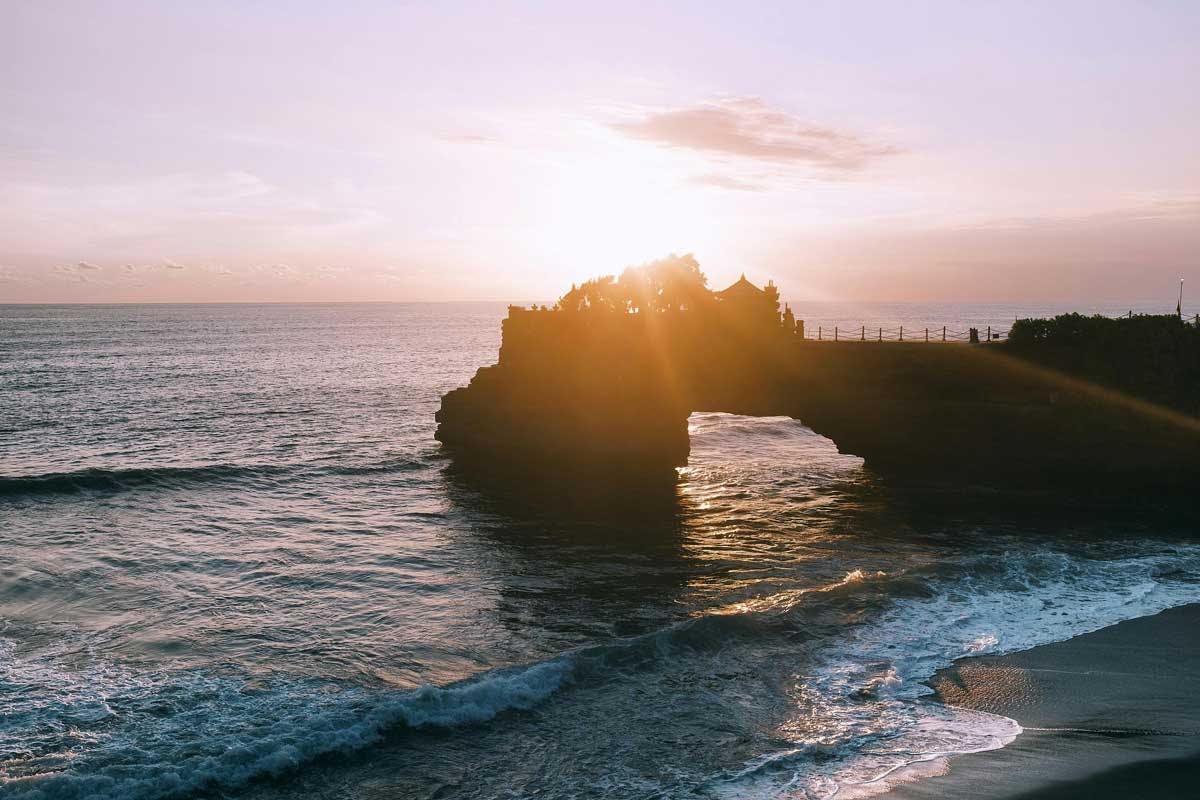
(745, 300)
(606, 380)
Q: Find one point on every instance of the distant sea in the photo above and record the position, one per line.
(234, 563)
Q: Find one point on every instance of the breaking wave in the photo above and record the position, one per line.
(109, 481)
(177, 735)
(872, 681)
(873, 640)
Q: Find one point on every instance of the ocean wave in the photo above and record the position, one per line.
(181, 734)
(190, 733)
(871, 680)
(110, 481)
(401, 464)
(94, 479)
(718, 424)
(870, 640)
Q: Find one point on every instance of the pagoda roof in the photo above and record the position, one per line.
(739, 289)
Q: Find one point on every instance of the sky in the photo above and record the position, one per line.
(311, 151)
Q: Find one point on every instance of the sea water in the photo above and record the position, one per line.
(235, 563)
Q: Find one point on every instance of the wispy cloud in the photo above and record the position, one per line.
(12, 275)
(469, 138)
(1159, 207)
(76, 272)
(718, 181)
(746, 127)
(134, 220)
(1164, 206)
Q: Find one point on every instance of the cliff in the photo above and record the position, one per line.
(597, 390)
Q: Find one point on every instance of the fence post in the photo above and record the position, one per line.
(927, 335)
(989, 339)
(881, 334)
(943, 333)
(820, 332)
(902, 333)
(835, 333)
(862, 335)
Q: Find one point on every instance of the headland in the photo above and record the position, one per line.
(604, 382)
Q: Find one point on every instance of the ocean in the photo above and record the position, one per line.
(234, 563)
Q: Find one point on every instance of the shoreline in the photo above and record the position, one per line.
(1108, 714)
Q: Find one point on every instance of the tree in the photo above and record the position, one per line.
(600, 294)
(679, 282)
(674, 283)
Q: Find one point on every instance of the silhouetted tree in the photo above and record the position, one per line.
(679, 282)
(673, 283)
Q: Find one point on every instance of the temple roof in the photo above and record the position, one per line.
(742, 288)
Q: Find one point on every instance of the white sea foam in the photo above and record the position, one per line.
(179, 734)
(863, 719)
(869, 690)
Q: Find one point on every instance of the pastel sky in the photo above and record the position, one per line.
(254, 150)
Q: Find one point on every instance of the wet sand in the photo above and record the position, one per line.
(1111, 714)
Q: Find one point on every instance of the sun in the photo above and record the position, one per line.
(622, 206)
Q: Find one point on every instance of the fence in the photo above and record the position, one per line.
(901, 333)
(937, 334)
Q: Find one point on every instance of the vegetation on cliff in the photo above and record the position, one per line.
(673, 283)
(1156, 357)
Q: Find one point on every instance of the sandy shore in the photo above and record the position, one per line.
(1112, 714)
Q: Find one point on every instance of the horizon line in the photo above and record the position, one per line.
(529, 301)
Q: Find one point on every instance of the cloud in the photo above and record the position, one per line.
(74, 272)
(173, 265)
(132, 221)
(725, 182)
(749, 128)
(1162, 206)
(12, 275)
(1124, 254)
(270, 272)
(1156, 208)
(469, 138)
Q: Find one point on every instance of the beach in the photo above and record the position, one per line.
(1109, 714)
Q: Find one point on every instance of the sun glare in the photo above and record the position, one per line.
(621, 208)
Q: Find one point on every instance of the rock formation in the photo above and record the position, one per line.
(610, 390)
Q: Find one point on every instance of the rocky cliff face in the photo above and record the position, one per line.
(571, 391)
(612, 392)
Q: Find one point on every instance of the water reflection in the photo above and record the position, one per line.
(780, 584)
(578, 559)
